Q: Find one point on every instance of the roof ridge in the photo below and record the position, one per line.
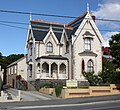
(43, 21)
(11, 64)
(57, 23)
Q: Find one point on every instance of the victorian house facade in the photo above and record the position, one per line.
(63, 51)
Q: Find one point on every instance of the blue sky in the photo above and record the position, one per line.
(12, 40)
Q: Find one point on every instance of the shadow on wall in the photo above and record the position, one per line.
(117, 87)
(21, 83)
(1, 83)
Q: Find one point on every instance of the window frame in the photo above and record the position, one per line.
(49, 47)
(83, 66)
(90, 66)
(31, 69)
(87, 43)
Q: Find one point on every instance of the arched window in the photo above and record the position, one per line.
(49, 47)
(54, 70)
(90, 66)
(62, 68)
(83, 66)
(31, 67)
(38, 67)
(45, 67)
(87, 44)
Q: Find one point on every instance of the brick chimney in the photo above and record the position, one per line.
(93, 16)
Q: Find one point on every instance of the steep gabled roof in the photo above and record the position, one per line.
(15, 62)
(79, 23)
(76, 22)
(40, 29)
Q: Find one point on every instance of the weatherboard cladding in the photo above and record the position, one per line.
(40, 30)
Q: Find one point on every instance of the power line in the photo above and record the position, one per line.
(6, 23)
(19, 27)
(51, 15)
(13, 26)
(12, 22)
(40, 14)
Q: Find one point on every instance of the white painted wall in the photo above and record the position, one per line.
(22, 68)
(78, 47)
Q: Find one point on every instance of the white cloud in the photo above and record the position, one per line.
(111, 1)
(109, 10)
(107, 37)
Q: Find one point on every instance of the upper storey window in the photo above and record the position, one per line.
(49, 47)
(87, 43)
(88, 37)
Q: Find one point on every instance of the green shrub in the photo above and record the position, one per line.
(58, 90)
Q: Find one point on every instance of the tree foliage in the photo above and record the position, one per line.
(6, 60)
(108, 73)
(107, 76)
(92, 78)
(115, 49)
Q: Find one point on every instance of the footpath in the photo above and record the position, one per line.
(29, 95)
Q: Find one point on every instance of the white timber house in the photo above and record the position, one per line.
(63, 51)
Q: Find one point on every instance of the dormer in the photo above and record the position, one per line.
(88, 34)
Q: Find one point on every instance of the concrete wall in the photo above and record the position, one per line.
(84, 92)
(91, 91)
(4, 97)
(49, 91)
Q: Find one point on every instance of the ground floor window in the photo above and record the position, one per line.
(90, 66)
(83, 66)
(62, 68)
(45, 67)
(30, 66)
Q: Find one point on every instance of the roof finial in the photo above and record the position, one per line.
(30, 16)
(88, 7)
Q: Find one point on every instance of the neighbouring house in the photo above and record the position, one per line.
(107, 54)
(17, 74)
(57, 51)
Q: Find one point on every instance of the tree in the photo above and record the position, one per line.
(5, 61)
(107, 76)
(108, 73)
(115, 49)
(92, 78)
(13, 57)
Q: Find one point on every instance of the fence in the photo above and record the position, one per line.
(84, 92)
(91, 91)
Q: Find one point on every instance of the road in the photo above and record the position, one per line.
(93, 103)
